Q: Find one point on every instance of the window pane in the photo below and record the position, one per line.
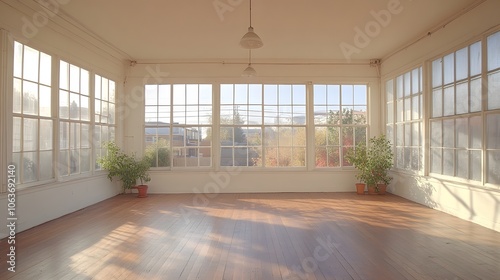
(437, 79)
(462, 164)
(407, 109)
(285, 94)
(462, 133)
(46, 168)
(226, 158)
(84, 82)
(205, 94)
(436, 134)
(493, 131)
(74, 106)
(475, 59)
(436, 161)
(299, 94)
(389, 90)
(45, 69)
(493, 176)
(271, 94)
(399, 86)
(493, 51)
(85, 136)
(448, 133)
(179, 95)
(30, 98)
(415, 81)
(74, 78)
(347, 92)
(475, 165)
(30, 64)
(112, 92)
(46, 135)
(437, 103)
(74, 162)
(30, 134)
(226, 94)
(462, 64)
(462, 98)
(449, 101)
(448, 162)
(84, 160)
(30, 167)
(449, 69)
(476, 132)
(407, 83)
(45, 102)
(192, 95)
(18, 60)
(17, 96)
(415, 110)
(475, 95)
(320, 95)
(255, 94)
(64, 75)
(494, 91)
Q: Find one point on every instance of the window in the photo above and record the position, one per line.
(178, 125)
(104, 114)
(456, 123)
(459, 112)
(74, 124)
(493, 116)
(33, 143)
(263, 125)
(404, 118)
(340, 121)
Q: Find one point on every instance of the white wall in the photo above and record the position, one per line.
(49, 31)
(467, 201)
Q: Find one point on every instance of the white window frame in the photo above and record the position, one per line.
(342, 149)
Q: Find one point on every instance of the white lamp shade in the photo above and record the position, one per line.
(249, 72)
(251, 40)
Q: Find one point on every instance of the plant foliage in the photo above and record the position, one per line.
(126, 168)
(373, 162)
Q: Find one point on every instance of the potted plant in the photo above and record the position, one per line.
(359, 158)
(381, 155)
(126, 168)
(373, 163)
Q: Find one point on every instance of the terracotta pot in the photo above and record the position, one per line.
(382, 188)
(360, 188)
(372, 189)
(142, 189)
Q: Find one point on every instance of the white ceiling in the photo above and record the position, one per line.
(290, 29)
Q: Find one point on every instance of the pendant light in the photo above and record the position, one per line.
(251, 40)
(249, 71)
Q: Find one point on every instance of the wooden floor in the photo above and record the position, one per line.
(256, 236)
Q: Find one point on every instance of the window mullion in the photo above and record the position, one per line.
(484, 108)
(310, 128)
(216, 147)
(55, 116)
